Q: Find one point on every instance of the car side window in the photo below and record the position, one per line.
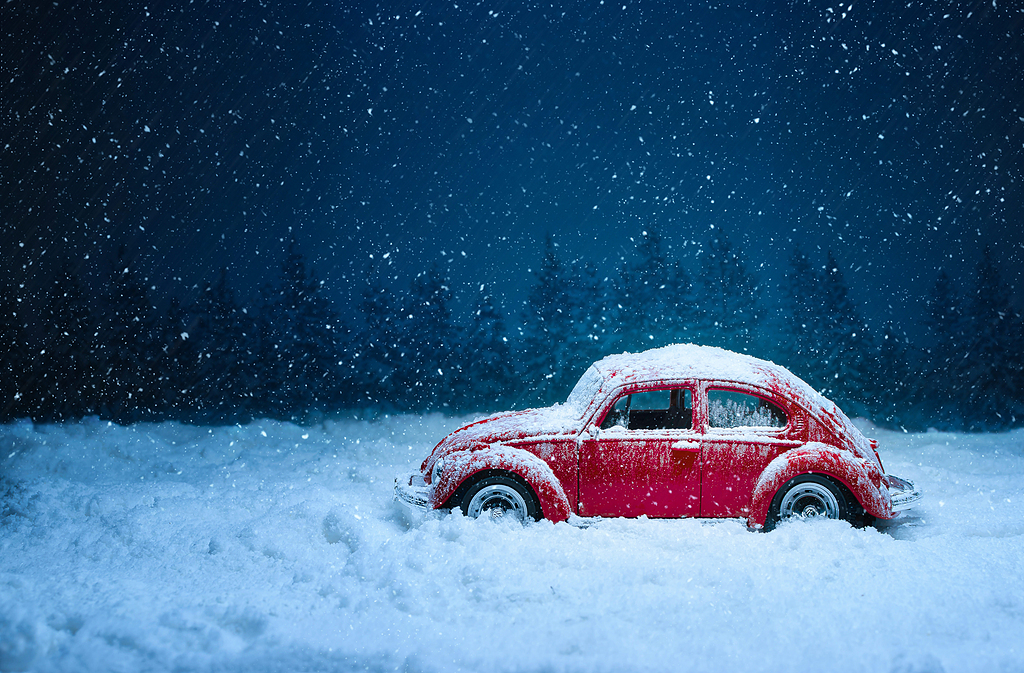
(732, 409)
(618, 415)
(652, 410)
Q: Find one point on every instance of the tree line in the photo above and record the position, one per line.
(293, 355)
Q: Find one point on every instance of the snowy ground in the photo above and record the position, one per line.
(274, 547)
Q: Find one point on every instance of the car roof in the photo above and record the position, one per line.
(691, 361)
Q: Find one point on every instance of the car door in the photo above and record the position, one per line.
(745, 430)
(645, 459)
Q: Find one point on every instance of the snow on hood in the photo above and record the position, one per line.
(559, 419)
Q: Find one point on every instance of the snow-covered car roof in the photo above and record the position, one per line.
(690, 361)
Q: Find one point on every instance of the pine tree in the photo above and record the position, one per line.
(297, 343)
(943, 383)
(376, 350)
(548, 356)
(126, 378)
(803, 307)
(224, 337)
(991, 363)
(486, 380)
(843, 343)
(655, 297)
(890, 386)
(429, 371)
(731, 305)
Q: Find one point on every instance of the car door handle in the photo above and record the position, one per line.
(685, 446)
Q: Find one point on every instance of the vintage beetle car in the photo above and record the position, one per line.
(679, 431)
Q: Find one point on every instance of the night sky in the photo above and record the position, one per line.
(204, 134)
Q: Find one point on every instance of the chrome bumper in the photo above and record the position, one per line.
(411, 491)
(903, 493)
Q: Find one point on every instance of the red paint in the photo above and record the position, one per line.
(675, 467)
(656, 474)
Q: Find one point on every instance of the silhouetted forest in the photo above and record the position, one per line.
(108, 349)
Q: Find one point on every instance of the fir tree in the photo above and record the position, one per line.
(654, 296)
(298, 348)
(376, 350)
(68, 368)
(803, 307)
(224, 336)
(548, 346)
(731, 305)
(592, 334)
(944, 369)
(842, 343)
(992, 361)
(178, 362)
(351, 383)
(890, 385)
(487, 376)
(429, 370)
(12, 356)
(125, 374)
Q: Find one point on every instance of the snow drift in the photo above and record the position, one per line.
(275, 547)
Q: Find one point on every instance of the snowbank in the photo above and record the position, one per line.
(274, 547)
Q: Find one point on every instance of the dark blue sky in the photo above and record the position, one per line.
(201, 134)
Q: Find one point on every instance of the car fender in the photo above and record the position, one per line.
(460, 466)
(860, 476)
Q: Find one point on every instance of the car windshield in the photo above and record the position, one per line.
(584, 392)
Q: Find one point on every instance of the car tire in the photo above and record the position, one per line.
(810, 496)
(497, 496)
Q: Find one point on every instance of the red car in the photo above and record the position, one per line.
(673, 432)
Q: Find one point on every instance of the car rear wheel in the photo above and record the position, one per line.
(810, 496)
(500, 496)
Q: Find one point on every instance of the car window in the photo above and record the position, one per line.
(652, 410)
(650, 400)
(618, 415)
(732, 409)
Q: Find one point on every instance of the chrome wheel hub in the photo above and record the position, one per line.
(809, 499)
(497, 501)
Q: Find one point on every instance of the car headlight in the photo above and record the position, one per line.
(438, 471)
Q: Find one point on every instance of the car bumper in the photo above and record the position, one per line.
(903, 493)
(411, 491)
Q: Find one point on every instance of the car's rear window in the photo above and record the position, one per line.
(733, 409)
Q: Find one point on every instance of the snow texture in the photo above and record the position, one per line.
(274, 547)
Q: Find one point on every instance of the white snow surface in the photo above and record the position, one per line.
(275, 547)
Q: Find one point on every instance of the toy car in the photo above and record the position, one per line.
(679, 431)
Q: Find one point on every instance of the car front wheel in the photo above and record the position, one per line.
(499, 496)
(809, 496)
